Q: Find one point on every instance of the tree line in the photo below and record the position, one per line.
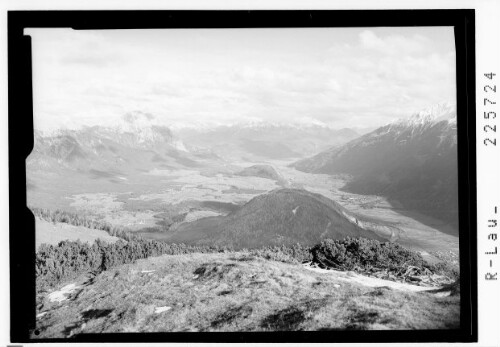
(58, 216)
(69, 259)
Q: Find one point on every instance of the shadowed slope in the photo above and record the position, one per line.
(284, 216)
(411, 161)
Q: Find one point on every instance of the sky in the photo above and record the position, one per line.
(341, 77)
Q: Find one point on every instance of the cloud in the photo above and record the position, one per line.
(370, 40)
(350, 77)
(133, 117)
(393, 44)
(91, 59)
(168, 90)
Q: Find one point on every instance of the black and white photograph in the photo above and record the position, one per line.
(243, 180)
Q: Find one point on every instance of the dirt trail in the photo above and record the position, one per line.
(352, 277)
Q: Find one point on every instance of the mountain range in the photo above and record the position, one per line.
(143, 143)
(266, 140)
(412, 161)
(112, 150)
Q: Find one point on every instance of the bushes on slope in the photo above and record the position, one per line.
(287, 254)
(72, 258)
(69, 259)
(359, 253)
(384, 260)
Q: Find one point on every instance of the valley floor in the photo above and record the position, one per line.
(137, 202)
(234, 292)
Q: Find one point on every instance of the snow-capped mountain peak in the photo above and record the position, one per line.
(431, 115)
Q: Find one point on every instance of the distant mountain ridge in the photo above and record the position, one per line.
(137, 131)
(266, 140)
(412, 160)
(113, 149)
(139, 137)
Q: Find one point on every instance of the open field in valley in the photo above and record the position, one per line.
(52, 233)
(142, 200)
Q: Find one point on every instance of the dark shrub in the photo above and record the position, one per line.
(69, 259)
(360, 253)
(445, 269)
(287, 254)
(72, 258)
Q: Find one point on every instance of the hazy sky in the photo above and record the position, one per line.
(355, 77)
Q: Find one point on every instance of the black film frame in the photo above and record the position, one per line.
(20, 127)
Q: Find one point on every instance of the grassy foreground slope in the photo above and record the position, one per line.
(232, 292)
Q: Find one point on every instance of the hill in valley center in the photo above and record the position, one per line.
(283, 216)
(413, 161)
(264, 171)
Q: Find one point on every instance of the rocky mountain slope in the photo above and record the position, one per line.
(113, 151)
(413, 161)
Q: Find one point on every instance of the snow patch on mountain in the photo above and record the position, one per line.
(443, 111)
